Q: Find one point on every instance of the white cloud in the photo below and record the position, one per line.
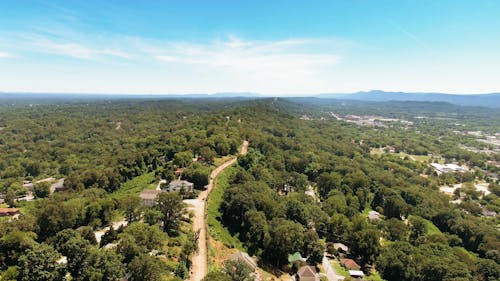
(75, 50)
(250, 56)
(5, 55)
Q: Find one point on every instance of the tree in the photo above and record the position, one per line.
(77, 251)
(145, 267)
(132, 207)
(40, 264)
(396, 263)
(207, 154)
(13, 244)
(418, 228)
(88, 234)
(108, 237)
(152, 216)
(286, 237)
(41, 189)
(104, 265)
(237, 270)
(257, 235)
(327, 182)
(366, 243)
(396, 229)
(183, 158)
(198, 175)
(216, 275)
(172, 208)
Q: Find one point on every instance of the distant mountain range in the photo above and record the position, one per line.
(486, 100)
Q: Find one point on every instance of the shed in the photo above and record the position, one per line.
(356, 273)
(9, 212)
(350, 264)
(148, 197)
(307, 273)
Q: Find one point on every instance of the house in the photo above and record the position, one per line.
(244, 258)
(446, 168)
(58, 186)
(307, 273)
(177, 185)
(373, 215)
(28, 185)
(350, 264)
(9, 212)
(148, 197)
(356, 273)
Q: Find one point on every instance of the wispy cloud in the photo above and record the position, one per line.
(245, 55)
(76, 50)
(410, 35)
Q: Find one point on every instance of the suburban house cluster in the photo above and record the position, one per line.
(148, 196)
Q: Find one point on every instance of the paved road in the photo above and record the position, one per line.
(330, 271)
(199, 266)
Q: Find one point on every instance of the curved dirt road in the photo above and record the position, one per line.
(199, 266)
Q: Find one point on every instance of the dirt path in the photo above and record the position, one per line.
(331, 275)
(199, 267)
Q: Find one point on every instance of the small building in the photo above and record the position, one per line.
(177, 185)
(149, 196)
(356, 273)
(244, 258)
(28, 185)
(58, 186)
(350, 264)
(447, 168)
(373, 215)
(295, 257)
(307, 273)
(9, 212)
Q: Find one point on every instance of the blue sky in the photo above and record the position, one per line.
(270, 47)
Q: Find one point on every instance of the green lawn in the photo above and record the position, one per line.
(215, 227)
(339, 269)
(374, 276)
(136, 185)
(431, 228)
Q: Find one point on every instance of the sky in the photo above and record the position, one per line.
(269, 47)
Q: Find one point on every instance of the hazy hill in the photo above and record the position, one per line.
(489, 100)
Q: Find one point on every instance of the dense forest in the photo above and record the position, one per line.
(308, 181)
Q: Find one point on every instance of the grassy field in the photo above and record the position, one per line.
(339, 269)
(431, 228)
(215, 227)
(221, 160)
(419, 158)
(136, 185)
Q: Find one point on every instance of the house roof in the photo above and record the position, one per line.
(149, 193)
(244, 257)
(180, 182)
(295, 257)
(356, 273)
(306, 271)
(350, 264)
(9, 211)
(373, 215)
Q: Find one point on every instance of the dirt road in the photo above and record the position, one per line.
(199, 266)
